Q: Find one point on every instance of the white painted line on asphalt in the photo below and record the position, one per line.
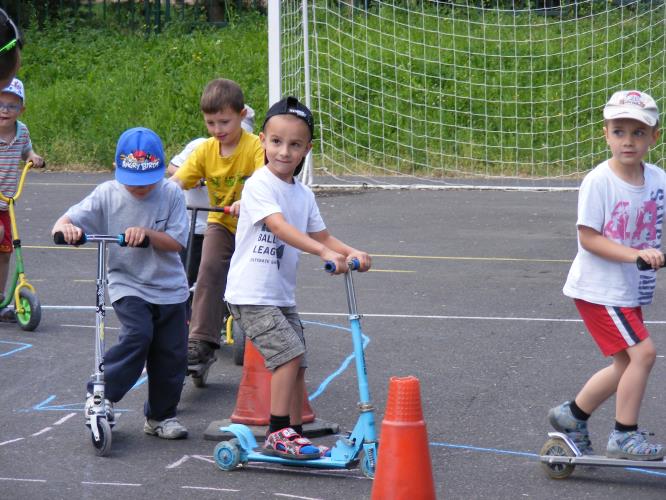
(11, 441)
(370, 315)
(22, 479)
(91, 326)
(95, 483)
(178, 462)
(64, 419)
(294, 496)
(45, 429)
(208, 488)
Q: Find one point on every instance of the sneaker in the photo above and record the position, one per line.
(199, 352)
(108, 408)
(633, 445)
(563, 420)
(7, 315)
(169, 428)
(287, 443)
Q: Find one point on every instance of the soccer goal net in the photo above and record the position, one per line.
(497, 92)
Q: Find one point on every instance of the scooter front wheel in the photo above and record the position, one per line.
(227, 455)
(103, 446)
(29, 319)
(238, 347)
(557, 447)
(367, 465)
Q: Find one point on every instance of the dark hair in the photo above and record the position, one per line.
(10, 37)
(221, 94)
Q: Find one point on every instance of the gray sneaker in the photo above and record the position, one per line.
(169, 428)
(633, 445)
(563, 420)
(108, 407)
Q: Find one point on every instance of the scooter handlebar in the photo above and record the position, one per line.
(353, 264)
(145, 243)
(644, 266)
(59, 239)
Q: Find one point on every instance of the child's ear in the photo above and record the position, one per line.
(656, 133)
(243, 113)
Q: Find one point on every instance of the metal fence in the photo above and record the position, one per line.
(135, 14)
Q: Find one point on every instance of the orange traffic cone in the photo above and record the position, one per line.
(253, 402)
(403, 468)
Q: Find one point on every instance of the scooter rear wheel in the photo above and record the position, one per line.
(227, 455)
(29, 319)
(557, 447)
(103, 446)
(202, 380)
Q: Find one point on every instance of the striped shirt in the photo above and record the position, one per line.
(10, 155)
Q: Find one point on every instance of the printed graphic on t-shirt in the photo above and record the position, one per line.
(641, 229)
(268, 249)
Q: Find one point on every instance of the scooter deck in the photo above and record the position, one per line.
(603, 460)
(257, 455)
(578, 459)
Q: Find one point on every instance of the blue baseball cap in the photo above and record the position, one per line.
(139, 157)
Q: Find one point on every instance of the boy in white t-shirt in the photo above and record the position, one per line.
(620, 218)
(279, 218)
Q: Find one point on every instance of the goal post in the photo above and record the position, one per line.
(487, 92)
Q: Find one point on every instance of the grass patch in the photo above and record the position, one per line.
(85, 86)
(436, 90)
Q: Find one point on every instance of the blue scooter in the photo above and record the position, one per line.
(358, 447)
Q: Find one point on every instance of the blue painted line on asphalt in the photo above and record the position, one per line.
(44, 405)
(497, 451)
(345, 364)
(22, 346)
(139, 382)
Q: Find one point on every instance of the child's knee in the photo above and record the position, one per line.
(645, 353)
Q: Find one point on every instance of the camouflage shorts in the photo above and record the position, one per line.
(276, 332)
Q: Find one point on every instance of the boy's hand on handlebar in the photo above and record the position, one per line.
(338, 259)
(652, 256)
(70, 232)
(37, 161)
(134, 236)
(363, 258)
(234, 209)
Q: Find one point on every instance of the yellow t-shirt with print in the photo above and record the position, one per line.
(225, 175)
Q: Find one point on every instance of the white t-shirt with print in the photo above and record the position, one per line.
(630, 215)
(263, 268)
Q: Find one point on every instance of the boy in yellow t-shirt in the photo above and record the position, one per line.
(225, 161)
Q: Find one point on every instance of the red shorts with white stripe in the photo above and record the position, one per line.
(6, 240)
(614, 329)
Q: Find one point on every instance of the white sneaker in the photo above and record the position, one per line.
(169, 428)
(108, 407)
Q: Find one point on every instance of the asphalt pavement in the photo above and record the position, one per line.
(465, 294)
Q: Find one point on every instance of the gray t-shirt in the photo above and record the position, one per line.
(156, 276)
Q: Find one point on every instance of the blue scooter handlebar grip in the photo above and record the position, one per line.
(353, 264)
(644, 266)
(59, 239)
(144, 244)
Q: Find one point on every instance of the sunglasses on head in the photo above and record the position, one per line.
(14, 42)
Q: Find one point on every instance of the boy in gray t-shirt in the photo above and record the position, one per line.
(147, 286)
